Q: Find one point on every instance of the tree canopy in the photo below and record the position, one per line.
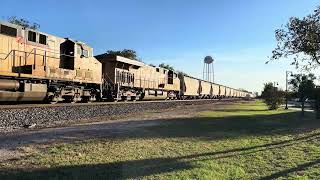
(268, 88)
(127, 53)
(303, 85)
(166, 66)
(23, 22)
(299, 40)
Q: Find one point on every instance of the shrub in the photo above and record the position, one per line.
(272, 96)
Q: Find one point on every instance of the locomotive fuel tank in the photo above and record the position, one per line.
(9, 85)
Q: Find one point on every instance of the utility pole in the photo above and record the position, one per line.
(287, 72)
(274, 86)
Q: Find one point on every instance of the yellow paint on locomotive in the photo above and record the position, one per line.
(134, 75)
(31, 54)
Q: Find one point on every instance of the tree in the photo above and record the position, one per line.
(272, 96)
(127, 53)
(181, 73)
(303, 85)
(23, 22)
(300, 40)
(166, 66)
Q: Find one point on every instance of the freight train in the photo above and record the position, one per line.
(36, 66)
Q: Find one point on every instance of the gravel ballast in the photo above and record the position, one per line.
(47, 116)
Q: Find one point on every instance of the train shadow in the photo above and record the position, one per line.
(234, 126)
(135, 169)
(202, 128)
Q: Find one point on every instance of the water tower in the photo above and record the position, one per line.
(208, 71)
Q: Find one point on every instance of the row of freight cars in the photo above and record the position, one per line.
(130, 79)
(36, 66)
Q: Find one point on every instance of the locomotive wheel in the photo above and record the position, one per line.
(71, 99)
(53, 102)
(124, 98)
(86, 100)
(53, 99)
(74, 99)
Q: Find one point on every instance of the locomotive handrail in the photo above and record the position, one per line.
(105, 75)
(44, 54)
(29, 53)
(7, 55)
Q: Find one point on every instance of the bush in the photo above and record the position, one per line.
(274, 102)
(272, 96)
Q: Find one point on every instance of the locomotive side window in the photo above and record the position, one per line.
(8, 31)
(85, 53)
(43, 39)
(32, 36)
(79, 50)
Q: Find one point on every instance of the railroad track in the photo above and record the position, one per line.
(15, 117)
(35, 105)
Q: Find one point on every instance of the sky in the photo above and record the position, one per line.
(239, 35)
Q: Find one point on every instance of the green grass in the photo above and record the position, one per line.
(240, 141)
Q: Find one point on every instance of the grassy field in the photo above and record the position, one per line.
(241, 141)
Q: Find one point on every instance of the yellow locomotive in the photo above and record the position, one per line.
(39, 66)
(126, 79)
(35, 66)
